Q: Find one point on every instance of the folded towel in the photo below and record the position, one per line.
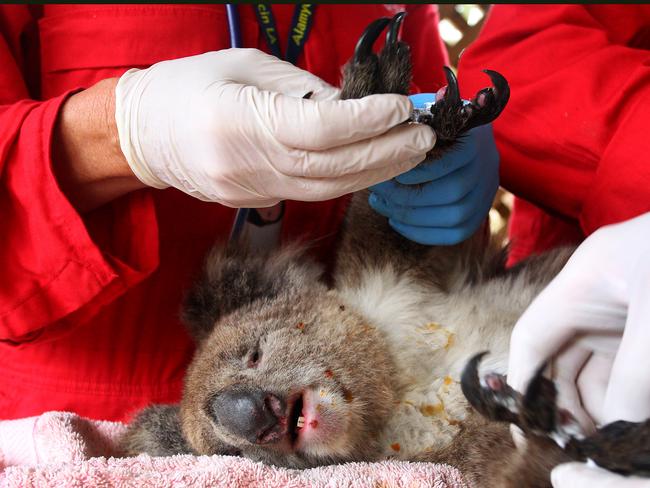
(60, 449)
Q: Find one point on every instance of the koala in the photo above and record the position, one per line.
(379, 361)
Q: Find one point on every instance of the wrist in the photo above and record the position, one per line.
(87, 158)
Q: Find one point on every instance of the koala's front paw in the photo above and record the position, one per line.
(450, 116)
(389, 72)
(622, 447)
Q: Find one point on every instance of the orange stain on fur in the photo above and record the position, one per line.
(448, 380)
(431, 410)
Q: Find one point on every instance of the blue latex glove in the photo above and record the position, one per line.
(442, 202)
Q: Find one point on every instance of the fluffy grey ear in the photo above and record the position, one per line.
(157, 431)
(235, 277)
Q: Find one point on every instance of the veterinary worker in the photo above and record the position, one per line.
(129, 134)
(574, 150)
(593, 320)
(573, 138)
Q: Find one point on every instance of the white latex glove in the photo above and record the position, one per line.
(232, 127)
(579, 475)
(594, 319)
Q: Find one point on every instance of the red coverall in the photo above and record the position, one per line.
(575, 137)
(89, 303)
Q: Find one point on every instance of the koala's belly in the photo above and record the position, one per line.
(431, 336)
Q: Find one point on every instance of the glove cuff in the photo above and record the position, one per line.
(126, 109)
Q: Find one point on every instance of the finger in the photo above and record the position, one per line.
(541, 331)
(388, 151)
(312, 125)
(269, 73)
(592, 385)
(462, 154)
(628, 392)
(444, 191)
(568, 305)
(567, 368)
(439, 236)
(455, 214)
(318, 189)
(580, 475)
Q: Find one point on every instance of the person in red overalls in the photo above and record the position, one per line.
(94, 259)
(575, 151)
(573, 138)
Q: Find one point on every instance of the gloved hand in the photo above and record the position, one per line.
(579, 475)
(446, 200)
(232, 127)
(594, 320)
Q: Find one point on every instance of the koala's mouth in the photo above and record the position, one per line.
(296, 419)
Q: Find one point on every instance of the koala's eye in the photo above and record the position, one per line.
(254, 357)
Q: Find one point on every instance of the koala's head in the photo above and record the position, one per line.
(284, 372)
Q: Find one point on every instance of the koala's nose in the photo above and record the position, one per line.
(252, 414)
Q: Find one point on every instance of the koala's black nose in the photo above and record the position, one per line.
(252, 414)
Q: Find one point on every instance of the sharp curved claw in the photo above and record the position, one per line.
(470, 383)
(452, 95)
(499, 404)
(364, 46)
(501, 87)
(393, 28)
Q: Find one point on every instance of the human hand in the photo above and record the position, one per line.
(593, 320)
(443, 202)
(580, 475)
(233, 127)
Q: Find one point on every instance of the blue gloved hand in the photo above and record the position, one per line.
(442, 202)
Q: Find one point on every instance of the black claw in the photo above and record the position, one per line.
(492, 404)
(364, 46)
(452, 95)
(489, 102)
(501, 86)
(393, 28)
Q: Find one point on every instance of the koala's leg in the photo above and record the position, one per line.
(622, 447)
(389, 72)
(156, 431)
(368, 239)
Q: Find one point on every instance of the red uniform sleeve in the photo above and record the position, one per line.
(573, 138)
(54, 264)
(428, 51)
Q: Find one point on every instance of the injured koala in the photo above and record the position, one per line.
(292, 372)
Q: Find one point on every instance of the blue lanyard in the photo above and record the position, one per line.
(303, 19)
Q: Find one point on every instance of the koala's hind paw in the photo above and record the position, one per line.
(450, 116)
(622, 447)
(389, 72)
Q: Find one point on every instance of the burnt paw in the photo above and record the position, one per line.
(450, 116)
(535, 411)
(622, 447)
(490, 395)
(389, 72)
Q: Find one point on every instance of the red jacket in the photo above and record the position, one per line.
(89, 303)
(574, 139)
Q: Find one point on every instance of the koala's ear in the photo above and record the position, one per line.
(235, 277)
(157, 431)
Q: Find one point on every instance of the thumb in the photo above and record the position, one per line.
(580, 475)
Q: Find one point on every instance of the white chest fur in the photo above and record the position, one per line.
(432, 335)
